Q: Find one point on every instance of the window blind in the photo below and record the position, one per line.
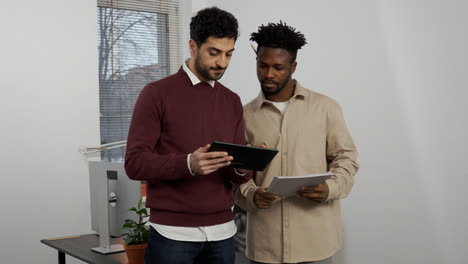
(138, 43)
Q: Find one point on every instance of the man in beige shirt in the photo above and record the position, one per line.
(310, 133)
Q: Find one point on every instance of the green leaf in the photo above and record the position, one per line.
(130, 221)
(129, 240)
(137, 232)
(142, 212)
(128, 225)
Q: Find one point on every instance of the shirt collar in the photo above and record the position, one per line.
(299, 92)
(193, 78)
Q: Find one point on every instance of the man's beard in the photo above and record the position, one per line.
(267, 91)
(205, 71)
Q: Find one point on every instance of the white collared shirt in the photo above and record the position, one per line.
(193, 78)
(200, 233)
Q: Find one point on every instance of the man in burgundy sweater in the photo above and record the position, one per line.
(189, 190)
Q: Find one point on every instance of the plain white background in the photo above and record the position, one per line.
(397, 68)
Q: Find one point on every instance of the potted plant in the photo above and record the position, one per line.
(143, 188)
(136, 237)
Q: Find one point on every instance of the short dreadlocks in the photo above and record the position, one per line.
(279, 35)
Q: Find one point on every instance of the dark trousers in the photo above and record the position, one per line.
(162, 250)
(323, 261)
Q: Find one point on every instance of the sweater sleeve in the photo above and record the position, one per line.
(239, 139)
(141, 162)
(244, 195)
(341, 155)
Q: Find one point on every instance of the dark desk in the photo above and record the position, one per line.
(80, 247)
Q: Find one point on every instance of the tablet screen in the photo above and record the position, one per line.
(246, 157)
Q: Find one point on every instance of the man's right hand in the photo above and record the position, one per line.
(264, 199)
(203, 162)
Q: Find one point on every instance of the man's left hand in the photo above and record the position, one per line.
(315, 193)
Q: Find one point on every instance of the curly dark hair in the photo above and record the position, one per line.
(213, 22)
(279, 35)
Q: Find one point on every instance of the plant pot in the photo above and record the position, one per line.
(143, 189)
(135, 253)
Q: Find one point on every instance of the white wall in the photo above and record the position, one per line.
(48, 107)
(399, 70)
(426, 42)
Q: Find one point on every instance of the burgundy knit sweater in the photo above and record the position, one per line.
(171, 119)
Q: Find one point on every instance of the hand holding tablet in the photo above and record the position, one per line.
(245, 157)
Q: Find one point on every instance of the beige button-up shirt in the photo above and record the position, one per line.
(311, 137)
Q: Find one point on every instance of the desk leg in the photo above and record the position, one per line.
(61, 257)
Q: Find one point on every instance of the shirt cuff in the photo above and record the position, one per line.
(188, 164)
(333, 190)
(250, 198)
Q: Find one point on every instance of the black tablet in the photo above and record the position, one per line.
(245, 157)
